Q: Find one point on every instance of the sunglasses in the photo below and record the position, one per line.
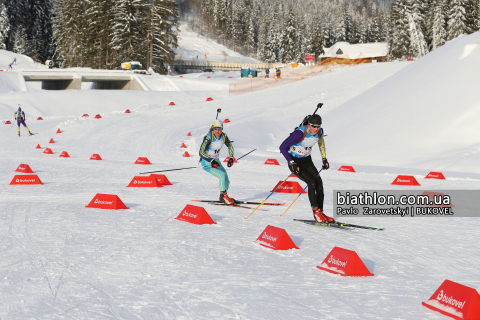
(316, 126)
(217, 128)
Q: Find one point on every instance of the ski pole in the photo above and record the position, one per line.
(269, 196)
(170, 170)
(297, 197)
(192, 167)
(246, 154)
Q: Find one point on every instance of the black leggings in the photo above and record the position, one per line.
(309, 174)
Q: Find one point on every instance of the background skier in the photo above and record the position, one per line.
(20, 117)
(297, 149)
(209, 153)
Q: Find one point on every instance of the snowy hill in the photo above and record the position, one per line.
(425, 116)
(192, 45)
(60, 259)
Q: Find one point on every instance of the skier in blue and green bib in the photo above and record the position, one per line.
(209, 154)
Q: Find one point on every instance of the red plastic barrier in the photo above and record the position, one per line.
(189, 134)
(345, 263)
(142, 160)
(162, 179)
(183, 145)
(85, 115)
(98, 116)
(208, 77)
(144, 182)
(456, 301)
(127, 111)
(58, 131)
(209, 99)
(228, 158)
(171, 103)
(8, 122)
(186, 154)
(405, 181)
(95, 157)
(195, 215)
(24, 168)
(346, 168)
(64, 154)
(28, 179)
(51, 141)
(435, 175)
(39, 118)
(226, 121)
(288, 187)
(106, 201)
(276, 239)
(38, 146)
(48, 151)
(272, 162)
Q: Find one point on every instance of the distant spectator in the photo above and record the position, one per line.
(267, 73)
(241, 72)
(279, 72)
(10, 66)
(15, 61)
(248, 71)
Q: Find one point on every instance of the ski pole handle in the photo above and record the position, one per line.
(318, 107)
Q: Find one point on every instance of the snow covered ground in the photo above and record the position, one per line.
(62, 260)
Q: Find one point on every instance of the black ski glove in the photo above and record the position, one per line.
(214, 164)
(230, 162)
(325, 164)
(294, 168)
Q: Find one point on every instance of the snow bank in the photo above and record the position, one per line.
(23, 62)
(425, 116)
(12, 82)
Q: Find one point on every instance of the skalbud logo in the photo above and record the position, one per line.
(450, 300)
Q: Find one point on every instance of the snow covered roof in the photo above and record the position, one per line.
(356, 51)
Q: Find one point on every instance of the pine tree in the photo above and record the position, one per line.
(375, 30)
(289, 46)
(98, 15)
(472, 15)
(4, 26)
(318, 38)
(456, 19)
(399, 39)
(41, 29)
(344, 25)
(417, 39)
(126, 38)
(250, 43)
(439, 33)
(162, 35)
